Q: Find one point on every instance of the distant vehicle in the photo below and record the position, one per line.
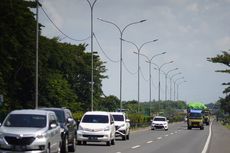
(96, 126)
(159, 122)
(68, 128)
(30, 131)
(206, 116)
(195, 119)
(195, 115)
(122, 125)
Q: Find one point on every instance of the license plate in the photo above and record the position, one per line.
(19, 148)
(92, 138)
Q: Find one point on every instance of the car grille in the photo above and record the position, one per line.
(97, 136)
(21, 141)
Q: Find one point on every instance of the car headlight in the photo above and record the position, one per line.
(41, 136)
(107, 128)
(80, 128)
(122, 125)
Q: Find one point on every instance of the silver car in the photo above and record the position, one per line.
(30, 131)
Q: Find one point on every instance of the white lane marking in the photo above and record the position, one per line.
(208, 139)
(149, 141)
(175, 131)
(166, 135)
(118, 152)
(159, 138)
(137, 146)
(171, 133)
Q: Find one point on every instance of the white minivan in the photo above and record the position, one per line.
(96, 126)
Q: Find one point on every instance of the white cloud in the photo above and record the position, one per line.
(193, 7)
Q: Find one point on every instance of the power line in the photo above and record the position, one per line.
(143, 76)
(132, 73)
(67, 36)
(104, 51)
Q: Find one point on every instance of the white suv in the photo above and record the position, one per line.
(96, 126)
(30, 131)
(159, 122)
(122, 124)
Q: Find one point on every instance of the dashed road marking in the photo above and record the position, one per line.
(171, 133)
(137, 146)
(166, 135)
(159, 138)
(149, 141)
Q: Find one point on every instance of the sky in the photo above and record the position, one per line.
(189, 31)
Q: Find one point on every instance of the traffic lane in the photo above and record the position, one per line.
(182, 141)
(139, 137)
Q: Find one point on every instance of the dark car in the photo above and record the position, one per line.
(68, 128)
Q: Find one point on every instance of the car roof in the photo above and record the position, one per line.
(31, 111)
(97, 113)
(117, 113)
(159, 117)
(52, 108)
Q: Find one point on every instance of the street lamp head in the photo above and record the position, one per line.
(155, 40)
(164, 53)
(142, 20)
(171, 61)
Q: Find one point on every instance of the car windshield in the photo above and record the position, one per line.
(159, 119)
(26, 120)
(95, 119)
(118, 117)
(60, 115)
(195, 115)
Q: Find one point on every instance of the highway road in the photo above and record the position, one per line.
(176, 140)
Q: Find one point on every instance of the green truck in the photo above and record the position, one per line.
(196, 115)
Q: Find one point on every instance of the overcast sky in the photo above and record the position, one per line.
(189, 31)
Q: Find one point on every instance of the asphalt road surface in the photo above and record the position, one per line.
(176, 140)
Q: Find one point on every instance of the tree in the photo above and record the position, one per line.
(224, 58)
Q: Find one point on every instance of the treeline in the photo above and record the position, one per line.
(64, 69)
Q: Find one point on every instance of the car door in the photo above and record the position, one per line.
(54, 133)
(70, 124)
(112, 126)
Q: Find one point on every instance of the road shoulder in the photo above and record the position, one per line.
(220, 139)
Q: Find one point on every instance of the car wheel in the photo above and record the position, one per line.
(72, 147)
(127, 137)
(78, 142)
(124, 137)
(64, 148)
(108, 143)
(113, 142)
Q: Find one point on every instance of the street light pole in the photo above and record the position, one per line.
(175, 86)
(37, 43)
(159, 77)
(138, 68)
(92, 81)
(170, 81)
(121, 31)
(166, 77)
(150, 76)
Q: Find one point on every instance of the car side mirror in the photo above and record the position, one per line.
(127, 120)
(52, 126)
(70, 120)
(112, 122)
